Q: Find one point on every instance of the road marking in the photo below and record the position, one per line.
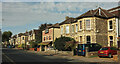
(9, 58)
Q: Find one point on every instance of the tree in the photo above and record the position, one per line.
(6, 35)
(63, 44)
(33, 44)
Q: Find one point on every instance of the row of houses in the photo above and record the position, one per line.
(95, 26)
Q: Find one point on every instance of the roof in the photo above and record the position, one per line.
(99, 12)
(55, 26)
(113, 8)
(68, 21)
(36, 31)
(20, 34)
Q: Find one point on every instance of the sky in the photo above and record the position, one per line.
(21, 16)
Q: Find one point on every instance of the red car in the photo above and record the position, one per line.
(107, 51)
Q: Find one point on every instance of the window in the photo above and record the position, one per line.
(62, 30)
(111, 40)
(76, 28)
(67, 29)
(87, 24)
(44, 38)
(46, 31)
(88, 39)
(23, 38)
(80, 24)
(110, 25)
(49, 37)
(80, 39)
(73, 28)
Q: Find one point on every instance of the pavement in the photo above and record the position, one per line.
(67, 55)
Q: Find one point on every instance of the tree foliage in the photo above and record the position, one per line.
(6, 35)
(62, 45)
(33, 44)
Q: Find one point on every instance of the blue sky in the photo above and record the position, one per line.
(21, 16)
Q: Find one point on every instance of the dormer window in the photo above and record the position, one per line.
(46, 31)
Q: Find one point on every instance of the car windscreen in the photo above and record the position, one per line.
(104, 49)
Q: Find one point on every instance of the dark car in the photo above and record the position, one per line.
(107, 51)
(81, 50)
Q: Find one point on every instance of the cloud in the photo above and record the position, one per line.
(29, 13)
(60, 0)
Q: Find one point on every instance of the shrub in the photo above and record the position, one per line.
(33, 44)
(62, 43)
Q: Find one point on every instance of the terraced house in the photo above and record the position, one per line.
(33, 35)
(94, 26)
(12, 40)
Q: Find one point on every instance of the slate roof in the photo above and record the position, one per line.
(99, 12)
(68, 21)
(54, 26)
(113, 8)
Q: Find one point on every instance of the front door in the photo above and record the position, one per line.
(111, 43)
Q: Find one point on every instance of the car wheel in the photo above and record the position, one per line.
(109, 55)
(100, 56)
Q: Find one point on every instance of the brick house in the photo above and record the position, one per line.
(49, 35)
(94, 26)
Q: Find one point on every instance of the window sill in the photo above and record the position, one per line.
(88, 29)
(110, 29)
(80, 30)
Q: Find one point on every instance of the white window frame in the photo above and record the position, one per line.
(73, 28)
(109, 25)
(86, 24)
(76, 27)
(67, 29)
(80, 25)
(61, 29)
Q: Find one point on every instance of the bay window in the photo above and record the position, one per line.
(67, 29)
(87, 24)
(110, 25)
(76, 28)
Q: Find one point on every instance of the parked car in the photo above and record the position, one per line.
(107, 52)
(91, 47)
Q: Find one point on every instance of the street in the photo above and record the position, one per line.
(13, 55)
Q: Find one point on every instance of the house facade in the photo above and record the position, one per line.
(116, 11)
(12, 40)
(49, 35)
(33, 35)
(94, 26)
